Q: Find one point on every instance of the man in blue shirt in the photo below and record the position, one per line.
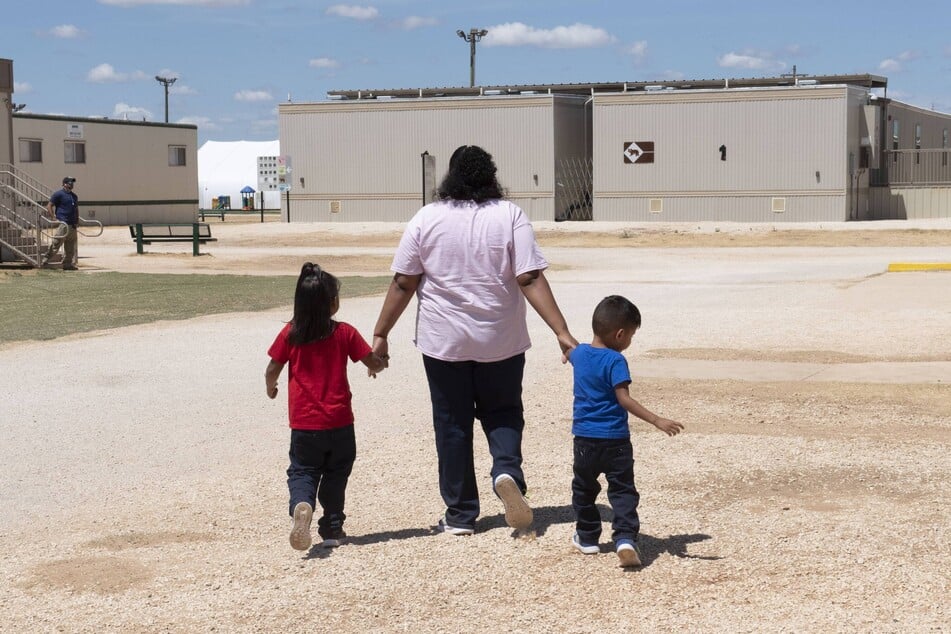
(64, 205)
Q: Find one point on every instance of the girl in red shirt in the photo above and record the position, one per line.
(323, 446)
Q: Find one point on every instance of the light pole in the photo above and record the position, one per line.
(166, 81)
(473, 36)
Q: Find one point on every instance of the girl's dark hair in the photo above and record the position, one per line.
(313, 305)
(471, 176)
(613, 313)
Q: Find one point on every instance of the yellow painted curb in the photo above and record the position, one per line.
(898, 267)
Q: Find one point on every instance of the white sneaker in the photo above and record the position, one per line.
(627, 553)
(300, 533)
(587, 549)
(518, 514)
(443, 527)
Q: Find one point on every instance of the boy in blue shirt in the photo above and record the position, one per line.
(602, 442)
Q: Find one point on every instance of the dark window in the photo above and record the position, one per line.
(75, 152)
(31, 151)
(176, 155)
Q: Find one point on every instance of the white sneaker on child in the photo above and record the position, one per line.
(627, 553)
(443, 527)
(587, 549)
(518, 514)
(300, 532)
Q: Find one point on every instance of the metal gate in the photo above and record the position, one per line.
(573, 185)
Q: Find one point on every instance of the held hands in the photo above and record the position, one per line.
(381, 352)
(669, 427)
(567, 343)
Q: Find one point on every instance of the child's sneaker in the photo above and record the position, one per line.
(587, 549)
(300, 533)
(627, 553)
(518, 514)
(333, 539)
(443, 527)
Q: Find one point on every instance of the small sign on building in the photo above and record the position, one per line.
(638, 151)
(74, 131)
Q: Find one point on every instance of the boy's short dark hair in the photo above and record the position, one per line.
(613, 313)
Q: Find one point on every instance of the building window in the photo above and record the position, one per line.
(75, 152)
(31, 151)
(176, 155)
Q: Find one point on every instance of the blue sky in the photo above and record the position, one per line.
(235, 60)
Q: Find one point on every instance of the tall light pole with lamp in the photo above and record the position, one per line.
(166, 81)
(473, 36)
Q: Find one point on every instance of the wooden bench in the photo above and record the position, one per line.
(194, 232)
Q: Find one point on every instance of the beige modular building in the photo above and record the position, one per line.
(379, 159)
(125, 171)
(817, 148)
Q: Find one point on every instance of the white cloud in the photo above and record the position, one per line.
(177, 89)
(192, 3)
(353, 12)
(106, 73)
(323, 62)
(253, 95)
(890, 65)
(637, 51)
(897, 64)
(751, 60)
(574, 36)
(65, 31)
(416, 22)
(202, 122)
(22, 87)
(131, 113)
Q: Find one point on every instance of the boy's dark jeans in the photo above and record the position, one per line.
(615, 459)
(321, 461)
(462, 391)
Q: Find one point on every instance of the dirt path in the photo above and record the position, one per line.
(144, 490)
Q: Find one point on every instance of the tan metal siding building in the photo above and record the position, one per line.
(749, 155)
(129, 171)
(361, 160)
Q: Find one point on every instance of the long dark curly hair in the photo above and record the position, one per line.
(471, 176)
(313, 305)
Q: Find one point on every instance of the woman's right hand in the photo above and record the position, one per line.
(567, 344)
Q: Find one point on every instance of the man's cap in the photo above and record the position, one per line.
(69, 179)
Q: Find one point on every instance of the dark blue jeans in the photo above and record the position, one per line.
(615, 459)
(462, 391)
(321, 462)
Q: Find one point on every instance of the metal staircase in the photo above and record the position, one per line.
(26, 230)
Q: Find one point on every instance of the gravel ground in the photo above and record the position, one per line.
(143, 485)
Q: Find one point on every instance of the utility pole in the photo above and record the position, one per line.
(166, 81)
(472, 37)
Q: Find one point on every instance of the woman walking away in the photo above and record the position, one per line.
(472, 260)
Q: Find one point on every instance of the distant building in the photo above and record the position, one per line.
(818, 148)
(125, 171)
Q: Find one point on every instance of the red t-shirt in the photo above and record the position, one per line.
(318, 393)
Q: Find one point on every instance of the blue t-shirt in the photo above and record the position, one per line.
(597, 413)
(67, 206)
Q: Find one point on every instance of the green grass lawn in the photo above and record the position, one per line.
(39, 305)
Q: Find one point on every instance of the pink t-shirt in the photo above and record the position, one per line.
(470, 305)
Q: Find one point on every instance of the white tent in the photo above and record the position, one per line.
(225, 167)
